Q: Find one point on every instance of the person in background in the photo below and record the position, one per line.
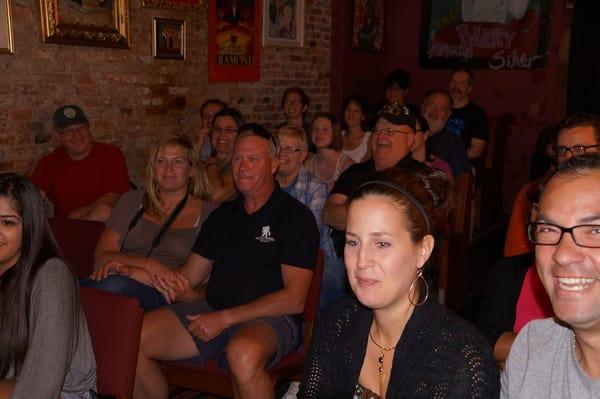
(82, 178)
(329, 161)
(394, 339)
(467, 121)
(226, 124)
(396, 90)
(45, 347)
(208, 109)
(153, 229)
(436, 108)
(295, 103)
(354, 128)
(422, 152)
(295, 180)
(558, 357)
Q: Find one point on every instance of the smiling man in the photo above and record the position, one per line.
(393, 136)
(560, 358)
(82, 178)
(260, 251)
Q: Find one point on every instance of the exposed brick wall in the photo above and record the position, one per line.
(132, 98)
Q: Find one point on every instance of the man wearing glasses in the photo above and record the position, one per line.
(436, 109)
(82, 178)
(393, 136)
(559, 357)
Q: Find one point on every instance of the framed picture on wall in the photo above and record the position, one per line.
(172, 4)
(102, 23)
(234, 28)
(6, 35)
(484, 34)
(283, 23)
(168, 38)
(367, 31)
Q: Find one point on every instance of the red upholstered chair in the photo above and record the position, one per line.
(210, 378)
(77, 239)
(115, 325)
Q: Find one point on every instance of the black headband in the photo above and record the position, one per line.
(405, 193)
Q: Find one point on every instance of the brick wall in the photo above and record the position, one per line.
(131, 98)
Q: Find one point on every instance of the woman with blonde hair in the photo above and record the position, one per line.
(152, 230)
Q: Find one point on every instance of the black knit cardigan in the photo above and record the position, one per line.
(438, 356)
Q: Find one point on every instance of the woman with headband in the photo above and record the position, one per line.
(394, 339)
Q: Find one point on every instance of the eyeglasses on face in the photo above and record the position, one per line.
(227, 130)
(561, 152)
(389, 131)
(289, 150)
(291, 102)
(584, 235)
(73, 129)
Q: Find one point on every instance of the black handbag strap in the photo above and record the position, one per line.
(156, 241)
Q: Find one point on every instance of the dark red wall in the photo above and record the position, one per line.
(529, 95)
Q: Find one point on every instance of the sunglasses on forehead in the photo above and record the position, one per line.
(261, 131)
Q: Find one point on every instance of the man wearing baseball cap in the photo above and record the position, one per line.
(393, 135)
(82, 178)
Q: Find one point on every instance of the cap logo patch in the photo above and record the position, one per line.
(69, 113)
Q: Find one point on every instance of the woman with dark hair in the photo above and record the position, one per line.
(45, 347)
(152, 230)
(354, 128)
(329, 162)
(226, 124)
(295, 102)
(393, 339)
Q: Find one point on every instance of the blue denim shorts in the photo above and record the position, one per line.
(286, 329)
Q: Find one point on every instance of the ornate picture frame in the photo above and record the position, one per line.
(6, 33)
(168, 38)
(283, 23)
(100, 23)
(172, 4)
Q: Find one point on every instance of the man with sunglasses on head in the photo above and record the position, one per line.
(560, 357)
(82, 178)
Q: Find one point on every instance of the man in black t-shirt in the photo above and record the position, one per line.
(260, 251)
(393, 135)
(467, 121)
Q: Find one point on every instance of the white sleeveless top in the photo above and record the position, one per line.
(359, 152)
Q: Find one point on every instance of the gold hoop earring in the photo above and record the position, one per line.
(412, 288)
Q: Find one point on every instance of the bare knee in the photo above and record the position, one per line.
(247, 357)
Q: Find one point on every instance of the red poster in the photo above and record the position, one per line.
(234, 40)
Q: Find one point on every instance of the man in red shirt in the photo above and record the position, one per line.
(82, 178)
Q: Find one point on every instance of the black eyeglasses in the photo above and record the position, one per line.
(561, 152)
(263, 132)
(584, 235)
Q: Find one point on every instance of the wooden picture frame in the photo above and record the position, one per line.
(6, 32)
(172, 4)
(100, 23)
(168, 38)
(283, 23)
(367, 30)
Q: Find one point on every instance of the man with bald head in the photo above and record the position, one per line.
(436, 109)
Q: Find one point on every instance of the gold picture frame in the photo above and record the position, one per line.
(6, 34)
(100, 23)
(181, 5)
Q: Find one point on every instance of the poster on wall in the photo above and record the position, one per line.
(234, 40)
(484, 34)
(367, 32)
